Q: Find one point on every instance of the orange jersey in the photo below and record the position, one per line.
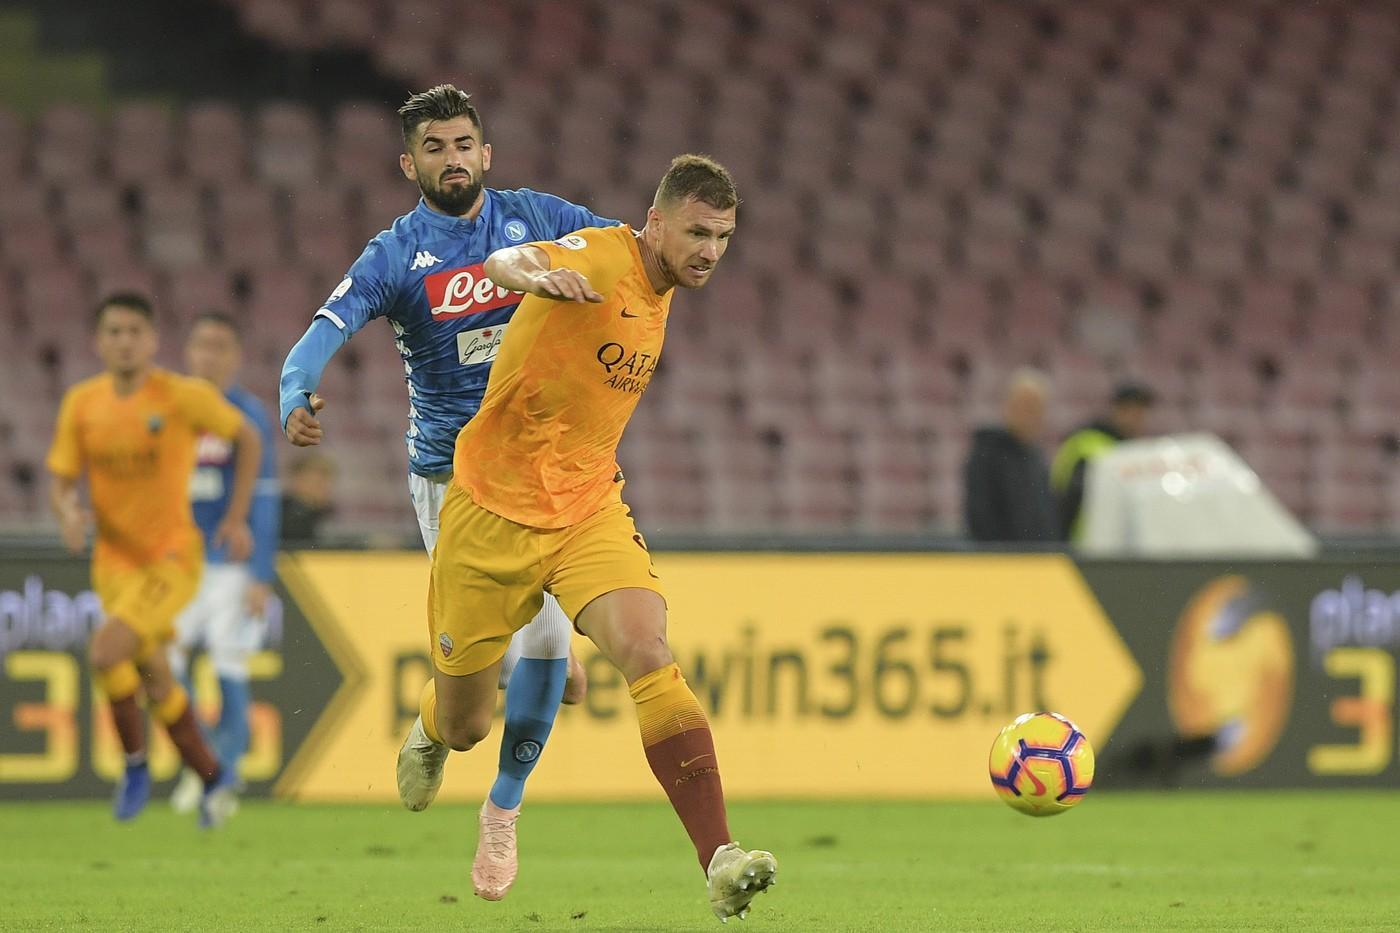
(139, 452)
(542, 451)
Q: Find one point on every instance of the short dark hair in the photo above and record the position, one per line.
(222, 318)
(132, 301)
(443, 102)
(699, 177)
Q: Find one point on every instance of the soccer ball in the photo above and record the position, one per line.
(1041, 764)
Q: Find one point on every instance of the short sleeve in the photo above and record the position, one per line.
(601, 255)
(206, 409)
(366, 292)
(66, 453)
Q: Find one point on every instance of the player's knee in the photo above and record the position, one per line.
(463, 734)
(106, 651)
(644, 657)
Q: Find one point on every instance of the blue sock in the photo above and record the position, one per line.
(532, 702)
(231, 732)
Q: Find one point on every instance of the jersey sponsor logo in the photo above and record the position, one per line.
(627, 370)
(207, 484)
(422, 260)
(480, 345)
(459, 292)
(340, 289)
(213, 449)
(515, 230)
(572, 241)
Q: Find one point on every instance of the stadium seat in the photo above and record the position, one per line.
(1106, 188)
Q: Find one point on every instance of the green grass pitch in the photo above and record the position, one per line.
(1298, 861)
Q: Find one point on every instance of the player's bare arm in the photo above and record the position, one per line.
(72, 521)
(303, 427)
(527, 269)
(233, 531)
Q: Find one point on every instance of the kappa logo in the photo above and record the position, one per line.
(459, 292)
(422, 260)
(445, 644)
(515, 230)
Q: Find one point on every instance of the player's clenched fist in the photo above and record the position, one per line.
(303, 427)
(564, 285)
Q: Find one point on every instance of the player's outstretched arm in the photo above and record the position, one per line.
(301, 373)
(527, 269)
(72, 522)
(233, 531)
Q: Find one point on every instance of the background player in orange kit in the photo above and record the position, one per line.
(133, 431)
(536, 499)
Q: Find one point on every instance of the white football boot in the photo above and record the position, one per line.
(736, 876)
(185, 797)
(420, 768)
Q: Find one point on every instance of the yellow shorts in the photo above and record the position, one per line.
(148, 598)
(489, 575)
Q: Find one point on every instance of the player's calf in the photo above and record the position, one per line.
(121, 682)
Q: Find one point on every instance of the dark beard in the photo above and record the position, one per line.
(455, 201)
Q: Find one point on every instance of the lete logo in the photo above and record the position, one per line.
(459, 292)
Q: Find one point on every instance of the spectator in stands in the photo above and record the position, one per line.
(1006, 481)
(1126, 420)
(306, 501)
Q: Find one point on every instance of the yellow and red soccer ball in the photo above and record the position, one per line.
(1041, 764)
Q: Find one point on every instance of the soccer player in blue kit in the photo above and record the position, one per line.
(227, 616)
(425, 275)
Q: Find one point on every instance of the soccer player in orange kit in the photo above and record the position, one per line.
(133, 432)
(536, 501)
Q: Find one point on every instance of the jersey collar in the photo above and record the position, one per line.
(457, 224)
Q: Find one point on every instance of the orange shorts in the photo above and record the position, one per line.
(149, 597)
(489, 574)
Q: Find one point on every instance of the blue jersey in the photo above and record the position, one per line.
(424, 274)
(212, 483)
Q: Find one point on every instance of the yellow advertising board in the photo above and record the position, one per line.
(879, 675)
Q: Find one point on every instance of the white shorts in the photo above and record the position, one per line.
(548, 634)
(217, 620)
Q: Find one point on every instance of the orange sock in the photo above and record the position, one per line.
(681, 751)
(177, 714)
(121, 683)
(427, 708)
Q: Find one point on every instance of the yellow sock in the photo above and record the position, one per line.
(665, 705)
(173, 706)
(119, 681)
(427, 708)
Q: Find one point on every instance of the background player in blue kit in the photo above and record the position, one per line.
(227, 617)
(425, 275)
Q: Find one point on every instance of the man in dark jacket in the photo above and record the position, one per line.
(1006, 479)
(1127, 419)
